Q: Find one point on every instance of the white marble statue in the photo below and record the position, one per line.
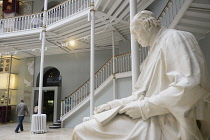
(171, 91)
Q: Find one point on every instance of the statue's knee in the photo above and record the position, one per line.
(78, 128)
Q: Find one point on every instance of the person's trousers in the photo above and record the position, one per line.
(20, 124)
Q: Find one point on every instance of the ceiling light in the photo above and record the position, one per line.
(72, 43)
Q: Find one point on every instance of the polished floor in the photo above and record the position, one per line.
(7, 133)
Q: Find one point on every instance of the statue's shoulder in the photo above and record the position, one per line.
(175, 34)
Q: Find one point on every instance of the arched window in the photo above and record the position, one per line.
(52, 77)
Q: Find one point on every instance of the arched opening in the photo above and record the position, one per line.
(51, 78)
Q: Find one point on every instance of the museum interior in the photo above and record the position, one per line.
(67, 52)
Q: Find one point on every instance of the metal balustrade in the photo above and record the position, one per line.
(21, 23)
(122, 64)
(34, 21)
(66, 9)
(170, 11)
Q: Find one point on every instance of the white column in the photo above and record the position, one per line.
(113, 54)
(92, 57)
(42, 58)
(134, 47)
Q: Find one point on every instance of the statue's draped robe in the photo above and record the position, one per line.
(173, 81)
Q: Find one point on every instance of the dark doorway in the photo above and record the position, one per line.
(51, 78)
(48, 105)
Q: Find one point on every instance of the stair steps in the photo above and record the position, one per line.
(55, 125)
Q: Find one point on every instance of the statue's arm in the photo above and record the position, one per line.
(183, 69)
(119, 102)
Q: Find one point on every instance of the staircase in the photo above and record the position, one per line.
(71, 103)
(55, 125)
(196, 19)
(187, 15)
(102, 77)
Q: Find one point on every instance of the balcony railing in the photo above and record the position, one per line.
(34, 21)
(66, 9)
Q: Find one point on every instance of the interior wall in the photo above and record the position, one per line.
(74, 68)
(38, 5)
(124, 46)
(25, 7)
(24, 68)
(124, 89)
(205, 46)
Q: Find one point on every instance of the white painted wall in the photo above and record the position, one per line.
(124, 46)
(205, 46)
(38, 5)
(74, 68)
(124, 89)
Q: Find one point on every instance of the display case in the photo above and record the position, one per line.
(10, 6)
(8, 89)
(8, 77)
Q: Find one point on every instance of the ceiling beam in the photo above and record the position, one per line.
(118, 33)
(105, 6)
(106, 16)
(97, 4)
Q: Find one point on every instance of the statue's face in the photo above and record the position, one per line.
(140, 34)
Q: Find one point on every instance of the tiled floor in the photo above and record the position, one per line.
(7, 133)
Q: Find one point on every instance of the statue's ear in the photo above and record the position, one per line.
(146, 25)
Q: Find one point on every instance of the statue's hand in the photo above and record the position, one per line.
(102, 108)
(132, 110)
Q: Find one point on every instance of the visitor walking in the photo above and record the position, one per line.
(21, 109)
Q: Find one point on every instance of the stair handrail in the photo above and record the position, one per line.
(164, 9)
(170, 11)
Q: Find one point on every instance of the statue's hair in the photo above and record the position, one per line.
(146, 18)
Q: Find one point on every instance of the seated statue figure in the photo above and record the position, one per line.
(170, 93)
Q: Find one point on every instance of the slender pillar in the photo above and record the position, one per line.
(134, 47)
(113, 54)
(92, 57)
(42, 58)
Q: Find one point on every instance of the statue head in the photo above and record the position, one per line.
(142, 26)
